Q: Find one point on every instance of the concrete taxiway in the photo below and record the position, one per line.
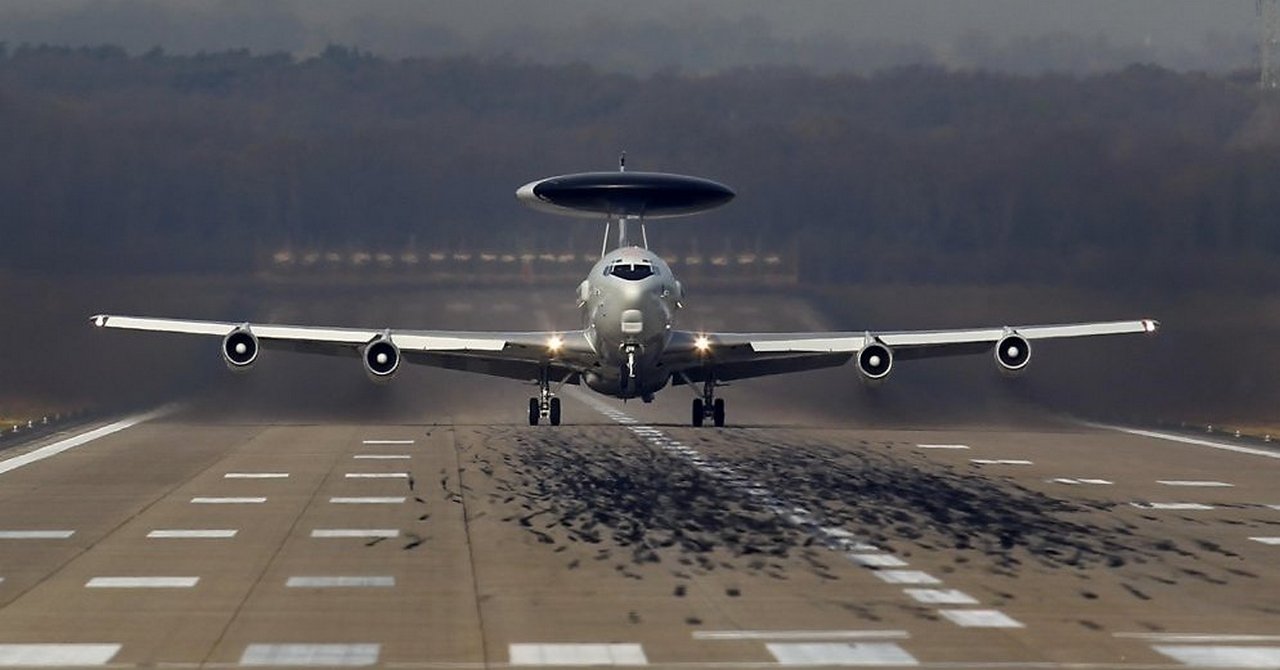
(239, 528)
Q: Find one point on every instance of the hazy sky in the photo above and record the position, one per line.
(1215, 31)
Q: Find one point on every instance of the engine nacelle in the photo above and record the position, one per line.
(240, 349)
(875, 361)
(1013, 352)
(381, 359)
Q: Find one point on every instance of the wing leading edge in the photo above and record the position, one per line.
(745, 355)
(516, 355)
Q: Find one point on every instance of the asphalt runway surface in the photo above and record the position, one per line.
(296, 516)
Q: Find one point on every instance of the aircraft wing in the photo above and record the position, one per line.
(744, 355)
(516, 355)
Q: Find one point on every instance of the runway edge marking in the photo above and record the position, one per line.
(84, 438)
(1252, 451)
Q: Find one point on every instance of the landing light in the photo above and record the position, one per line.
(702, 344)
(554, 343)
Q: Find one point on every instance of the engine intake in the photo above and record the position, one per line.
(381, 359)
(240, 349)
(1013, 352)
(875, 361)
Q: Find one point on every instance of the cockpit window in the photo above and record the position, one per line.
(629, 270)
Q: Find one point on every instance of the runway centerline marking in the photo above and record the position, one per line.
(1224, 656)
(50, 450)
(941, 597)
(1194, 483)
(256, 475)
(836, 539)
(1171, 505)
(349, 581)
(57, 654)
(1252, 451)
(812, 635)
(356, 532)
(942, 446)
(368, 500)
(227, 501)
(36, 534)
(848, 654)
(576, 654)
(980, 619)
(192, 533)
(1092, 482)
(1198, 637)
(999, 461)
(142, 582)
(382, 457)
(311, 654)
(376, 442)
(377, 475)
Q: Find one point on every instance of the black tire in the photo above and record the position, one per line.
(555, 411)
(717, 412)
(698, 416)
(535, 412)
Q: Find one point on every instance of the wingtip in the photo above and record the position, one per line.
(98, 320)
(1151, 326)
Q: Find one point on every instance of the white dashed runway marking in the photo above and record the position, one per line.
(368, 500)
(878, 560)
(1275, 541)
(1171, 505)
(227, 501)
(382, 457)
(980, 618)
(373, 442)
(999, 461)
(1198, 637)
(941, 597)
(142, 582)
(317, 582)
(1093, 482)
(192, 534)
(906, 577)
(311, 654)
(52, 655)
(1213, 656)
(36, 534)
(942, 446)
(356, 532)
(256, 475)
(1194, 483)
(577, 654)
(377, 475)
(834, 653)
(810, 635)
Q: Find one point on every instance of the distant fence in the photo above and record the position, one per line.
(507, 266)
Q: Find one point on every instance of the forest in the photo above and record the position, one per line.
(115, 163)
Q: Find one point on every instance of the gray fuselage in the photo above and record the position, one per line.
(628, 304)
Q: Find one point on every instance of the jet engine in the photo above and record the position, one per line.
(381, 359)
(240, 349)
(1013, 352)
(875, 360)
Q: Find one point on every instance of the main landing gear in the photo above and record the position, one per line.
(708, 406)
(546, 405)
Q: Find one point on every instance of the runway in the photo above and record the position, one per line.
(261, 524)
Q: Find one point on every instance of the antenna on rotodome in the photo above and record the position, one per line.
(622, 162)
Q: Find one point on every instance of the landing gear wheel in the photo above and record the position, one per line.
(717, 412)
(555, 411)
(535, 412)
(698, 413)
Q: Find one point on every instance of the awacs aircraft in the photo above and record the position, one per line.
(629, 346)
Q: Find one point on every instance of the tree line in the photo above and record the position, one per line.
(119, 163)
